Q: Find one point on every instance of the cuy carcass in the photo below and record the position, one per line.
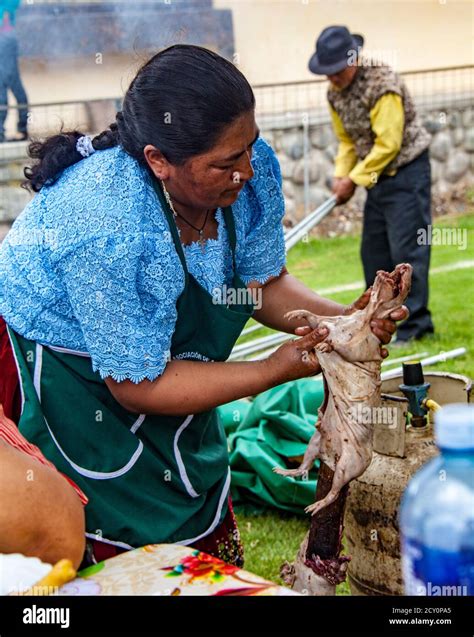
(350, 359)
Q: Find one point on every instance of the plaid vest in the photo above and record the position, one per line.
(354, 103)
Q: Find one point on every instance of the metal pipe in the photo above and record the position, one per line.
(431, 360)
(396, 399)
(301, 229)
(306, 162)
(252, 328)
(258, 344)
(403, 359)
(438, 69)
(308, 220)
(265, 350)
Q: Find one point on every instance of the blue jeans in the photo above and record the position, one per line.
(10, 80)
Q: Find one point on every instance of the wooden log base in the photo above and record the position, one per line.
(325, 534)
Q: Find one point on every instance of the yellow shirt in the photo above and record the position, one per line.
(387, 119)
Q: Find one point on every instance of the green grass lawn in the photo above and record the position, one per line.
(272, 537)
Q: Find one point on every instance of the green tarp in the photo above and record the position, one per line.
(266, 432)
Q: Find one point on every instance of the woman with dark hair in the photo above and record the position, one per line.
(108, 287)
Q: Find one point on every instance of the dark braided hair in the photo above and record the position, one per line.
(180, 101)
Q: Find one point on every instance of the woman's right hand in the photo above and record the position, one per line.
(297, 358)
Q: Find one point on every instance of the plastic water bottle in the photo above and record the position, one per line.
(437, 512)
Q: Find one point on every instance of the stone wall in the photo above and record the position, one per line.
(13, 198)
(452, 160)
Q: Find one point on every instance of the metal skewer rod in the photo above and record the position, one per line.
(431, 360)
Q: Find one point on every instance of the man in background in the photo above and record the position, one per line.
(9, 72)
(384, 148)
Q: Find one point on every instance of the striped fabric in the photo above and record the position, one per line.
(10, 434)
(9, 403)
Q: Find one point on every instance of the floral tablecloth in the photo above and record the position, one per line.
(168, 569)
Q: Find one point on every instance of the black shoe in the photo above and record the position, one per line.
(403, 339)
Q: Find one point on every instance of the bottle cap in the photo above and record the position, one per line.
(454, 426)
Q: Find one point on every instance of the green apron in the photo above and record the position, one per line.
(149, 478)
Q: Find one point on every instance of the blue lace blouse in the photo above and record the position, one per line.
(90, 264)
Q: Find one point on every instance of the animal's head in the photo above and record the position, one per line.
(390, 290)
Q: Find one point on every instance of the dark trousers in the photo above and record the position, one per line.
(10, 79)
(396, 209)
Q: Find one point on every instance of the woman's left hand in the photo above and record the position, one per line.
(382, 328)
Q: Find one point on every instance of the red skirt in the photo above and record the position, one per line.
(10, 409)
(10, 396)
(223, 543)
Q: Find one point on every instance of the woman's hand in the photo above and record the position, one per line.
(382, 328)
(297, 358)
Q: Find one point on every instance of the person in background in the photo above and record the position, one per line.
(384, 148)
(9, 71)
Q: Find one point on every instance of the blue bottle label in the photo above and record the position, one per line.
(436, 572)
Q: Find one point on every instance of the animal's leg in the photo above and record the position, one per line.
(338, 481)
(309, 457)
(312, 320)
(324, 347)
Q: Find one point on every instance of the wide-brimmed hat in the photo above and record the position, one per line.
(334, 49)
